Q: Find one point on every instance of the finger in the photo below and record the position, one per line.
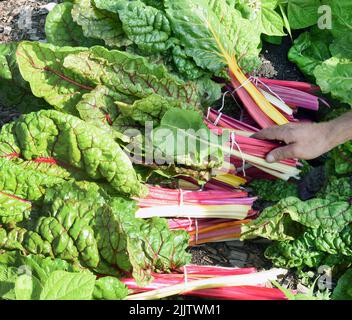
(272, 133)
(282, 153)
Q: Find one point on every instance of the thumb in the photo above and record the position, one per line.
(279, 154)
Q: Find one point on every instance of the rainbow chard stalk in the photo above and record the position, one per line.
(301, 86)
(209, 230)
(293, 97)
(193, 284)
(169, 203)
(212, 30)
(193, 273)
(250, 151)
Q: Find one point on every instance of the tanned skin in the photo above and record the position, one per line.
(307, 141)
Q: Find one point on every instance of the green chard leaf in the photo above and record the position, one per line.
(276, 190)
(14, 90)
(42, 66)
(338, 189)
(313, 248)
(341, 157)
(341, 48)
(151, 108)
(61, 30)
(7, 282)
(303, 13)
(188, 141)
(99, 24)
(310, 50)
(23, 182)
(185, 64)
(65, 76)
(341, 17)
(86, 227)
(35, 278)
(62, 285)
(109, 288)
(274, 223)
(27, 287)
(207, 28)
(13, 209)
(264, 15)
(286, 219)
(131, 75)
(67, 139)
(343, 290)
(334, 76)
(146, 26)
(98, 107)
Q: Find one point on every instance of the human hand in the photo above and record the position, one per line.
(304, 141)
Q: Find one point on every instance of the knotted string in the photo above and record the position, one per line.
(234, 143)
(256, 80)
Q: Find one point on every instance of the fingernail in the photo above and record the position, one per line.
(270, 158)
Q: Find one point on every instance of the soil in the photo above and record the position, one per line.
(277, 55)
(25, 20)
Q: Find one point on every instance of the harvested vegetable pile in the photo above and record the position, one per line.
(118, 160)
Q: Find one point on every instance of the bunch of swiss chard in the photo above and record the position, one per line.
(66, 181)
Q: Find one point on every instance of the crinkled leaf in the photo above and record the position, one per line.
(282, 221)
(274, 190)
(185, 64)
(152, 246)
(84, 226)
(42, 66)
(111, 5)
(98, 107)
(338, 189)
(273, 223)
(12, 209)
(146, 26)
(155, 3)
(297, 253)
(69, 140)
(24, 182)
(341, 157)
(131, 75)
(313, 248)
(99, 24)
(109, 288)
(151, 108)
(61, 30)
(209, 30)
